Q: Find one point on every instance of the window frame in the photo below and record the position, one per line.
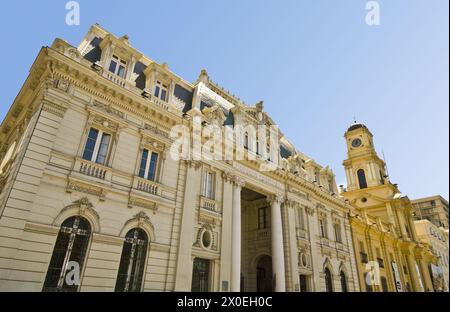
(64, 229)
(323, 226)
(145, 256)
(148, 164)
(262, 218)
(120, 63)
(209, 190)
(98, 142)
(337, 232)
(158, 90)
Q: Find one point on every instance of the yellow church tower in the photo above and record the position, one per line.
(390, 255)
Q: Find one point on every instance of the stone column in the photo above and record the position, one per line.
(413, 272)
(290, 240)
(238, 183)
(313, 233)
(225, 250)
(183, 278)
(426, 278)
(277, 244)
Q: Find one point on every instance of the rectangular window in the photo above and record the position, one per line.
(161, 91)
(300, 218)
(149, 165)
(118, 66)
(323, 228)
(262, 218)
(337, 232)
(208, 185)
(97, 146)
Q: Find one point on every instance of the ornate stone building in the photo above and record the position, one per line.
(437, 239)
(383, 230)
(91, 200)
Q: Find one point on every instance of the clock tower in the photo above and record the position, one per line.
(363, 167)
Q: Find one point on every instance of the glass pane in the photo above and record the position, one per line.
(121, 71)
(163, 94)
(71, 243)
(112, 67)
(157, 91)
(103, 149)
(90, 144)
(132, 262)
(153, 167)
(143, 163)
(200, 276)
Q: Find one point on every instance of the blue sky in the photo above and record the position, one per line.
(315, 63)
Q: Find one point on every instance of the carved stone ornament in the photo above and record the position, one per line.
(134, 201)
(62, 84)
(84, 188)
(103, 122)
(275, 198)
(214, 115)
(238, 182)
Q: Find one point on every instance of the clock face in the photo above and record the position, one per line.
(356, 143)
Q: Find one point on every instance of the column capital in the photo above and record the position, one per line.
(275, 198)
(238, 181)
(291, 203)
(193, 164)
(227, 176)
(309, 210)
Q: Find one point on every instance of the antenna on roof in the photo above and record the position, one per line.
(354, 119)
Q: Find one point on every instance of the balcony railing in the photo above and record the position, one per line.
(208, 203)
(116, 79)
(178, 103)
(147, 186)
(159, 102)
(262, 234)
(92, 169)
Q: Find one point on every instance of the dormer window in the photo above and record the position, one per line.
(118, 66)
(161, 91)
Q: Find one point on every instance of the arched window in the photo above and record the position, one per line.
(362, 179)
(132, 262)
(328, 280)
(68, 255)
(343, 282)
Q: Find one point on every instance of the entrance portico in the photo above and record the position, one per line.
(253, 236)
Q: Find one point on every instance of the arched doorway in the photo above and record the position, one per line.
(264, 281)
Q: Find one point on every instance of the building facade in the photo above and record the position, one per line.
(437, 239)
(434, 209)
(384, 235)
(92, 200)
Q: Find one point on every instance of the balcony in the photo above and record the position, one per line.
(262, 234)
(208, 203)
(115, 79)
(178, 103)
(92, 169)
(163, 104)
(147, 186)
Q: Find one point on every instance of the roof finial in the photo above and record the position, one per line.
(203, 76)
